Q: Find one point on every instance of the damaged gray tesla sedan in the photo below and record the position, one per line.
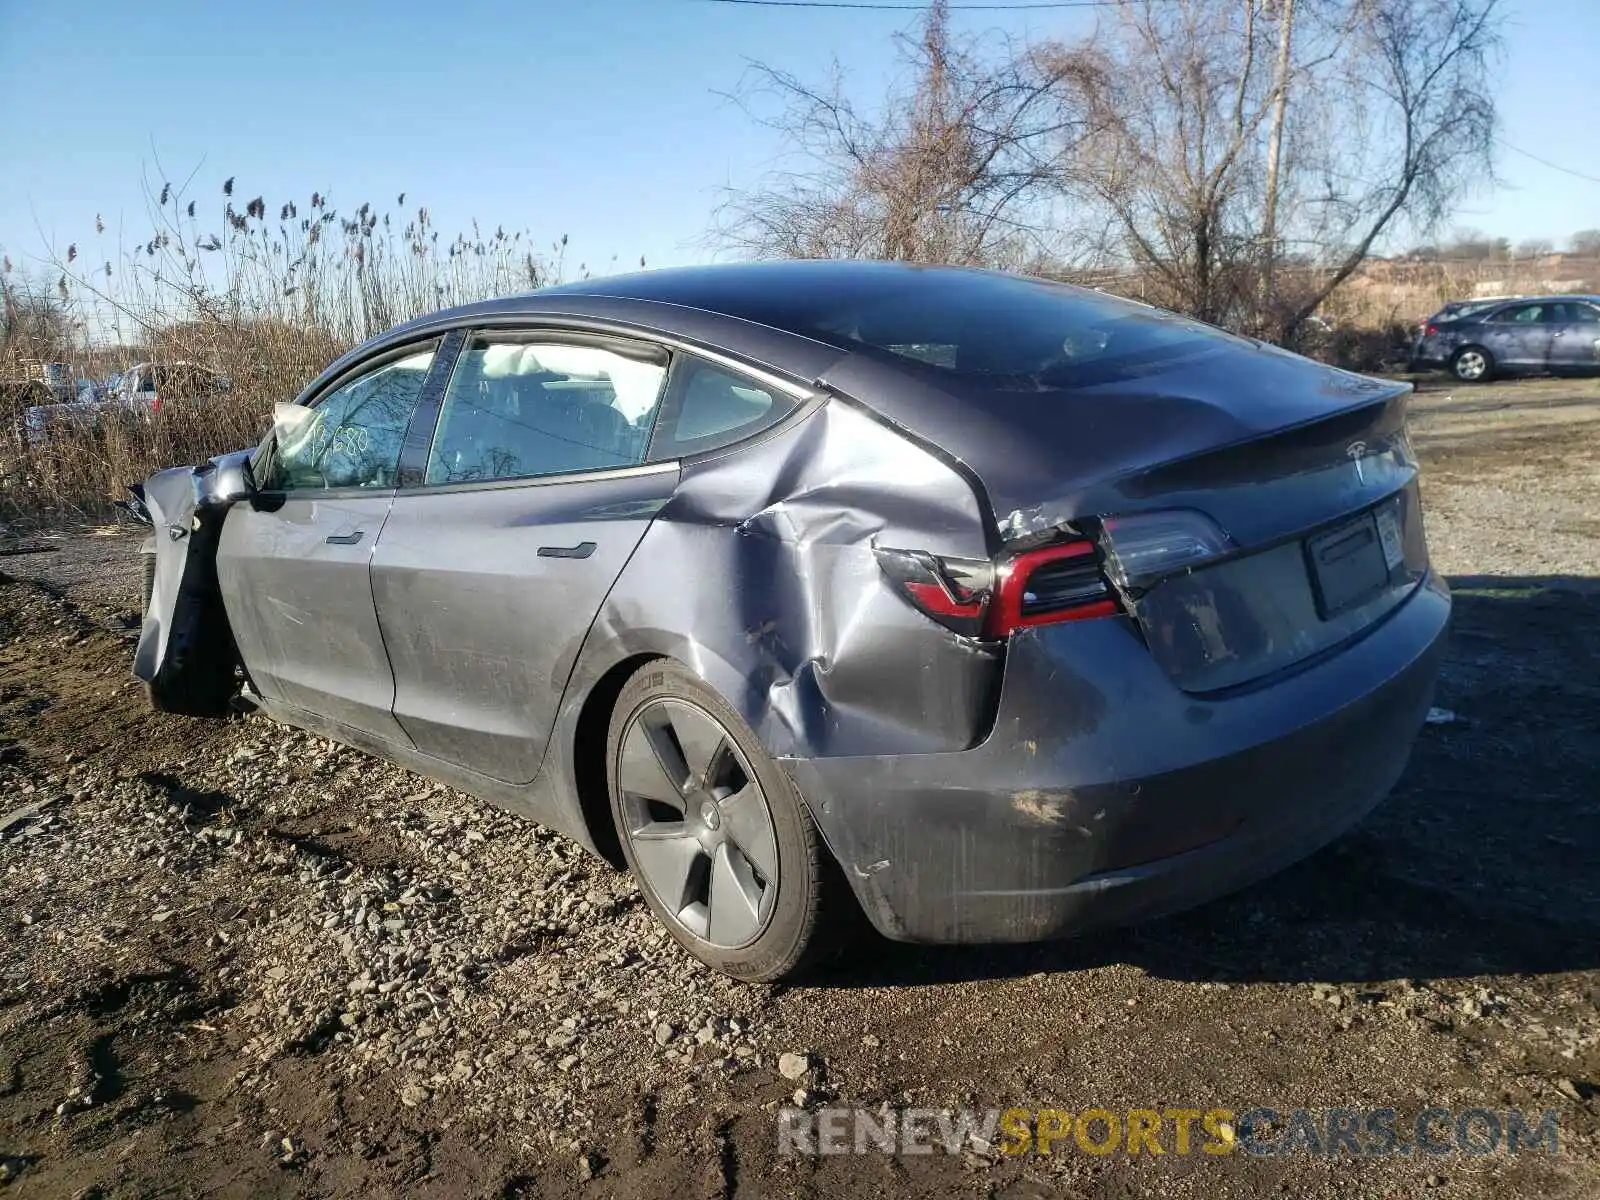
(1000, 608)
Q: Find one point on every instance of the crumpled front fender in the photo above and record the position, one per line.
(185, 652)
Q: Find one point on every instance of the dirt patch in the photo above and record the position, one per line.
(239, 960)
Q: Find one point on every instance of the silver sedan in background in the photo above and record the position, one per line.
(1526, 336)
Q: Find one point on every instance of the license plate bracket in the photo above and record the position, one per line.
(1347, 564)
(1394, 551)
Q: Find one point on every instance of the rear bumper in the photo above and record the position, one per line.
(1430, 353)
(1105, 795)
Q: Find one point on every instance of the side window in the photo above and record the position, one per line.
(1527, 314)
(352, 436)
(1577, 313)
(711, 407)
(519, 409)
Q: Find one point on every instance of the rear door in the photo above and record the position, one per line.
(500, 551)
(1575, 337)
(294, 565)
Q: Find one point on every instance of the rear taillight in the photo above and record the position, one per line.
(1063, 582)
(1429, 330)
(1075, 579)
(1145, 547)
(155, 404)
(954, 592)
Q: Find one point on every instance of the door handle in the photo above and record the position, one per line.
(346, 539)
(581, 550)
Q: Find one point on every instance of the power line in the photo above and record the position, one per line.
(1547, 163)
(911, 8)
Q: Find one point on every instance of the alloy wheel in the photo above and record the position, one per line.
(1471, 364)
(697, 823)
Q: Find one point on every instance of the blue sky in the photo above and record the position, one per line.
(601, 119)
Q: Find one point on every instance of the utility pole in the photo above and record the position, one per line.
(1280, 103)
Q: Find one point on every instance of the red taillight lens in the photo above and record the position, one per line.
(1063, 582)
(155, 404)
(954, 592)
(1429, 330)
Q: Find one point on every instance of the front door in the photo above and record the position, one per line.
(1575, 337)
(490, 572)
(295, 564)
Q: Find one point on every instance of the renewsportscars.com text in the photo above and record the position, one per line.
(1260, 1131)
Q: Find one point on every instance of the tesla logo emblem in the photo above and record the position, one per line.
(1354, 452)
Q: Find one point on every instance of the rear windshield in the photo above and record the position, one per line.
(1000, 328)
(1465, 308)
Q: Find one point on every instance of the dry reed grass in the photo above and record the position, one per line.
(265, 294)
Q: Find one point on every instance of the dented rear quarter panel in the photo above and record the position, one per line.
(759, 575)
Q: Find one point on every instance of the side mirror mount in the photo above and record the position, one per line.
(225, 480)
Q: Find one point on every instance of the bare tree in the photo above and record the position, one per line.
(1534, 247)
(1408, 120)
(34, 322)
(1177, 96)
(1585, 242)
(1470, 244)
(1389, 120)
(1232, 171)
(957, 168)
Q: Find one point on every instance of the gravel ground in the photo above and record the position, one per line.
(238, 960)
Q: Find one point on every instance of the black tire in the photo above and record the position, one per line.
(1472, 364)
(804, 917)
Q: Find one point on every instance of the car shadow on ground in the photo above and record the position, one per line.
(1503, 403)
(1484, 860)
(1452, 453)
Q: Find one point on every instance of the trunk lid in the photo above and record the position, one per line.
(1266, 609)
(1307, 470)
(1325, 524)
(1088, 443)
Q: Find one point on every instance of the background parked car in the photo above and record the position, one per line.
(92, 389)
(28, 385)
(1558, 334)
(1453, 311)
(45, 422)
(137, 392)
(145, 384)
(1457, 309)
(59, 379)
